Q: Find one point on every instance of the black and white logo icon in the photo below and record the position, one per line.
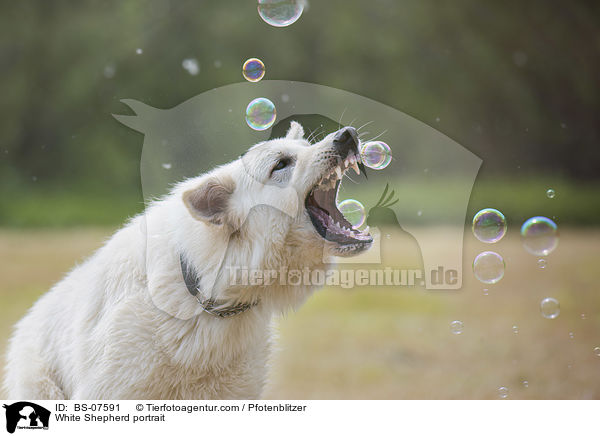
(25, 415)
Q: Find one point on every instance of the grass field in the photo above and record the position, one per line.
(396, 343)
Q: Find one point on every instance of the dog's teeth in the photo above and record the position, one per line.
(355, 168)
(352, 159)
(338, 171)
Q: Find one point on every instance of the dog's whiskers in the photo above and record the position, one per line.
(314, 134)
(342, 116)
(365, 124)
(378, 136)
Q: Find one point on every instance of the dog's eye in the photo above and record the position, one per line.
(281, 165)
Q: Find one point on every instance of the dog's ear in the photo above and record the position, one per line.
(295, 131)
(210, 200)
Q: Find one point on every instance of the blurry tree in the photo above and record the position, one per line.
(515, 82)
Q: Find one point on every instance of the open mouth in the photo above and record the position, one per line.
(327, 219)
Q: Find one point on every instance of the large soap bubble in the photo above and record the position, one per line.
(353, 211)
(260, 113)
(489, 225)
(280, 13)
(540, 235)
(488, 267)
(253, 70)
(376, 155)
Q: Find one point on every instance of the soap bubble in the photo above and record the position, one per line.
(550, 193)
(280, 13)
(456, 327)
(550, 308)
(597, 351)
(525, 384)
(353, 211)
(503, 392)
(191, 66)
(542, 263)
(376, 155)
(110, 70)
(486, 292)
(253, 70)
(139, 51)
(515, 329)
(489, 225)
(488, 267)
(540, 235)
(260, 113)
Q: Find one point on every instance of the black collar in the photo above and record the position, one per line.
(214, 307)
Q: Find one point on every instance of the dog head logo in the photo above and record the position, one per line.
(430, 174)
(26, 415)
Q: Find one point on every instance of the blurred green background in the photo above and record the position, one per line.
(514, 82)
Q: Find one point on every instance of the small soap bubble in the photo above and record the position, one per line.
(542, 263)
(419, 213)
(597, 351)
(285, 98)
(109, 71)
(515, 329)
(388, 236)
(550, 308)
(280, 13)
(489, 225)
(376, 155)
(486, 292)
(353, 211)
(260, 113)
(191, 66)
(503, 392)
(539, 235)
(488, 267)
(525, 384)
(139, 51)
(166, 166)
(217, 63)
(571, 335)
(253, 70)
(550, 193)
(583, 316)
(456, 327)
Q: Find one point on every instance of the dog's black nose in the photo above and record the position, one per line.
(346, 139)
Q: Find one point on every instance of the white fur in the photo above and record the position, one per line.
(108, 330)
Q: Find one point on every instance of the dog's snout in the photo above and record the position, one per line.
(345, 140)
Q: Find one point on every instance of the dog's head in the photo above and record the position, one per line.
(284, 191)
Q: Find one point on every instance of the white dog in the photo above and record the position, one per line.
(123, 325)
